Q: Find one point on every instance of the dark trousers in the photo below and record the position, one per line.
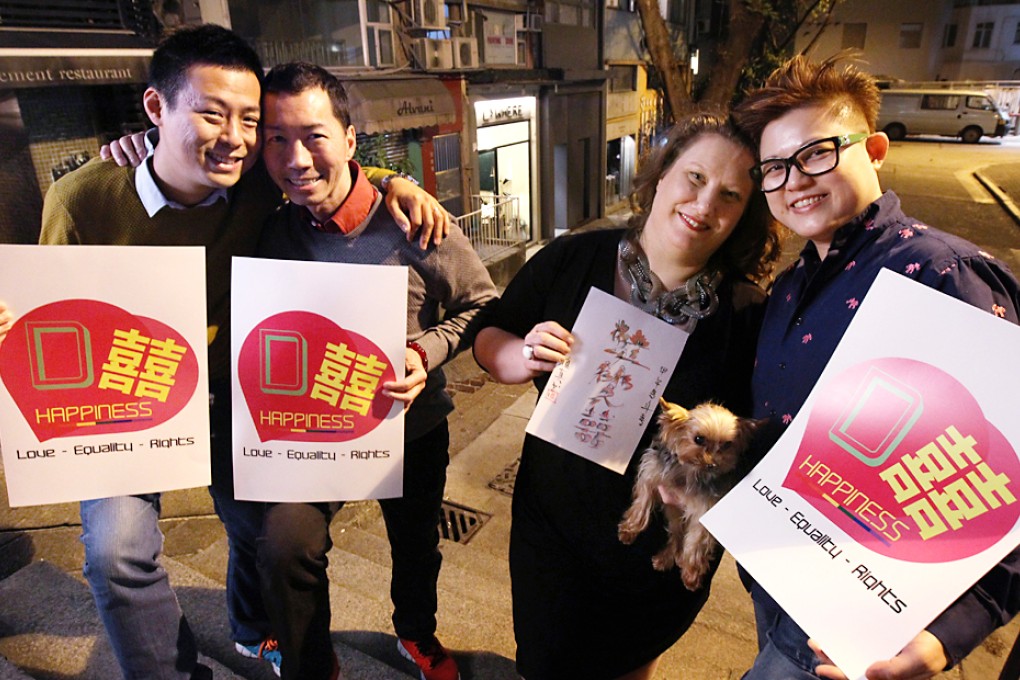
(292, 557)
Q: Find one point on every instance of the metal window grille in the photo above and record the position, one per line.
(102, 15)
(447, 152)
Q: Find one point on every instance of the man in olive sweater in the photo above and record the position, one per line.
(196, 189)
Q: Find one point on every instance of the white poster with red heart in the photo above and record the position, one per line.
(312, 344)
(895, 488)
(104, 373)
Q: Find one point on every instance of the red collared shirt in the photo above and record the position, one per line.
(355, 207)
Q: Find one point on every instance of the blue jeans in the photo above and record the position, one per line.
(783, 652)
(143, 620)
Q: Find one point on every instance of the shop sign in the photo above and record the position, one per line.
(415, 106)
(503, 111)
(21, 71)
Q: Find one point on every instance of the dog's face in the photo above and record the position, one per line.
(707, 436)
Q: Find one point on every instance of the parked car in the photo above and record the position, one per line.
(968, 115)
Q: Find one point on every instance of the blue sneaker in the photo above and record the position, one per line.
(268, 649)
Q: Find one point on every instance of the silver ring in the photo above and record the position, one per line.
(529, 352)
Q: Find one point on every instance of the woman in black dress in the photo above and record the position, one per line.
(585, 605)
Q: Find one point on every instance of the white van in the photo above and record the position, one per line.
(956, 113)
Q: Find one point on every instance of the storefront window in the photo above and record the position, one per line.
(570, 12)
(504, 173)
(325, 32)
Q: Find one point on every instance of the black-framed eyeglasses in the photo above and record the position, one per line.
(813, 159)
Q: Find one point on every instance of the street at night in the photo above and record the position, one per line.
(934, 178)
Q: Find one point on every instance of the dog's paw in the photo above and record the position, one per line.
(626, 533)
(664, 561)
(693, 575)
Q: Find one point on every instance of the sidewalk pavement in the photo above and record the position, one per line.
(1003, 182)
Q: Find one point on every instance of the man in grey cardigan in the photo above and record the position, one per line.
(333, 215)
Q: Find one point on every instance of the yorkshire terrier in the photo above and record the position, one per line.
(692, 462)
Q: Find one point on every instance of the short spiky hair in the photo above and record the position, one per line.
(298, 76)
(205, 45)
(754, 245)
(801, 82)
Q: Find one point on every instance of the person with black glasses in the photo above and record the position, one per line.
(815, 158)
(819, 151)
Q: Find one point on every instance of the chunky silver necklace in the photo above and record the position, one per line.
(694, 299)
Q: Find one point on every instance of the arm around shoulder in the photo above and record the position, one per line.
(416, 212)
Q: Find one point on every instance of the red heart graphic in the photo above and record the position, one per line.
(306, 379)
(898, 454)
(84, 367)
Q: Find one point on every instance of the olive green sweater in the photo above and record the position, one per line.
(97, 205)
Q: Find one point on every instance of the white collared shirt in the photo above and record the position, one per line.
(153, 200)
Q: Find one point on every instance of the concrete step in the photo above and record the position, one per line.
(468, 477)
(204, 603)
(359, 574)
(369, 601)
(61, 545)
(180, 503)
(50, 626)
(474, 586)
(474, 610)
(50, 629)
(472, 574)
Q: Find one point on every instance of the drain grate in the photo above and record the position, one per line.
(459, 523)
(504, 481)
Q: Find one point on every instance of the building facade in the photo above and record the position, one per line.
(528, 117)
(634, 109)
(70, 79)
(926, 40)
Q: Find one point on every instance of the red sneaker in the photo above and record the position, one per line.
(432, 659)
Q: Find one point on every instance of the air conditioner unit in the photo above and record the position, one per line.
(433, 54)
(465, 53)
(430, 14)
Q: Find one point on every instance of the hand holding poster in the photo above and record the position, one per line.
(597, 403)
(310, 420)
(105, 388)
(895, 488)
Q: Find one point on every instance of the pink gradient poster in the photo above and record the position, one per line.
(104, 373)
(896, 486)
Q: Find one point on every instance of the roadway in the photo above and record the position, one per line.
(935, 180)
